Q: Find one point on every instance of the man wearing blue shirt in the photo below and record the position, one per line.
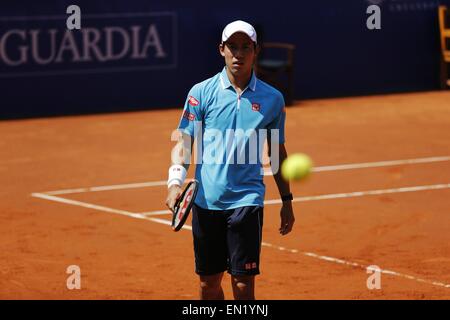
(231, 115)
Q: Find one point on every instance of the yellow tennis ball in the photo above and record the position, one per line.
(297, 166)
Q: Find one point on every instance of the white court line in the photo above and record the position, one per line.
(269, 202)
(374, 164)
(309, 254)
(101, 208)
(87, 205)
(380, 164)
(393, 273)
(108, 188)
(315, 169)
(156, 213)
(335, 196)
(363, 193)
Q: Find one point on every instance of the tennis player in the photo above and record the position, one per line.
(227, 215)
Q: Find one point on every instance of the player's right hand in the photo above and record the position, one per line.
(173, 193)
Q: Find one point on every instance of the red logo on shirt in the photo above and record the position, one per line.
(256, 106)
(188, 115)
(193, 102)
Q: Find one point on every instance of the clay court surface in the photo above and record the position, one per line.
(376, 211)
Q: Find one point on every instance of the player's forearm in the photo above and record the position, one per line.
(181, 153)
(180, 160)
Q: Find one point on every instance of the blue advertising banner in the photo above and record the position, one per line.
(42, 45)
(134, 55)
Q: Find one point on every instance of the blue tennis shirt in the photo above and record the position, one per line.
(230, 130)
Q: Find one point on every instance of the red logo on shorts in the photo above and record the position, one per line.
(189, 116)
(249, 266)
(193, 102)
(256, 106)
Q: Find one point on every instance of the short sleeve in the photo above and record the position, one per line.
(279, 121)
(192, 114)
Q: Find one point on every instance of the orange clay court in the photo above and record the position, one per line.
(90, 191)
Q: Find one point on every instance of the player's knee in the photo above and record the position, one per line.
(243, 283)
(243, 287)
(210, 283)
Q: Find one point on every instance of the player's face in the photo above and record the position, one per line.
(240, 53)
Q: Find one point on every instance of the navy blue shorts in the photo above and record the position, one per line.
(227, 240)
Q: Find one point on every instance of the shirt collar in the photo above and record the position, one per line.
(225, 82)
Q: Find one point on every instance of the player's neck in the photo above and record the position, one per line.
(239, 83)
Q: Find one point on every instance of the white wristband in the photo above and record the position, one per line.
(177, 175)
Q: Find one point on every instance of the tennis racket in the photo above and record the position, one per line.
(184, 204)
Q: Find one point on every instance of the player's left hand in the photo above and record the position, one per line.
(287, 218)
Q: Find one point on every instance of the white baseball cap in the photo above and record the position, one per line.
(239, 26)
